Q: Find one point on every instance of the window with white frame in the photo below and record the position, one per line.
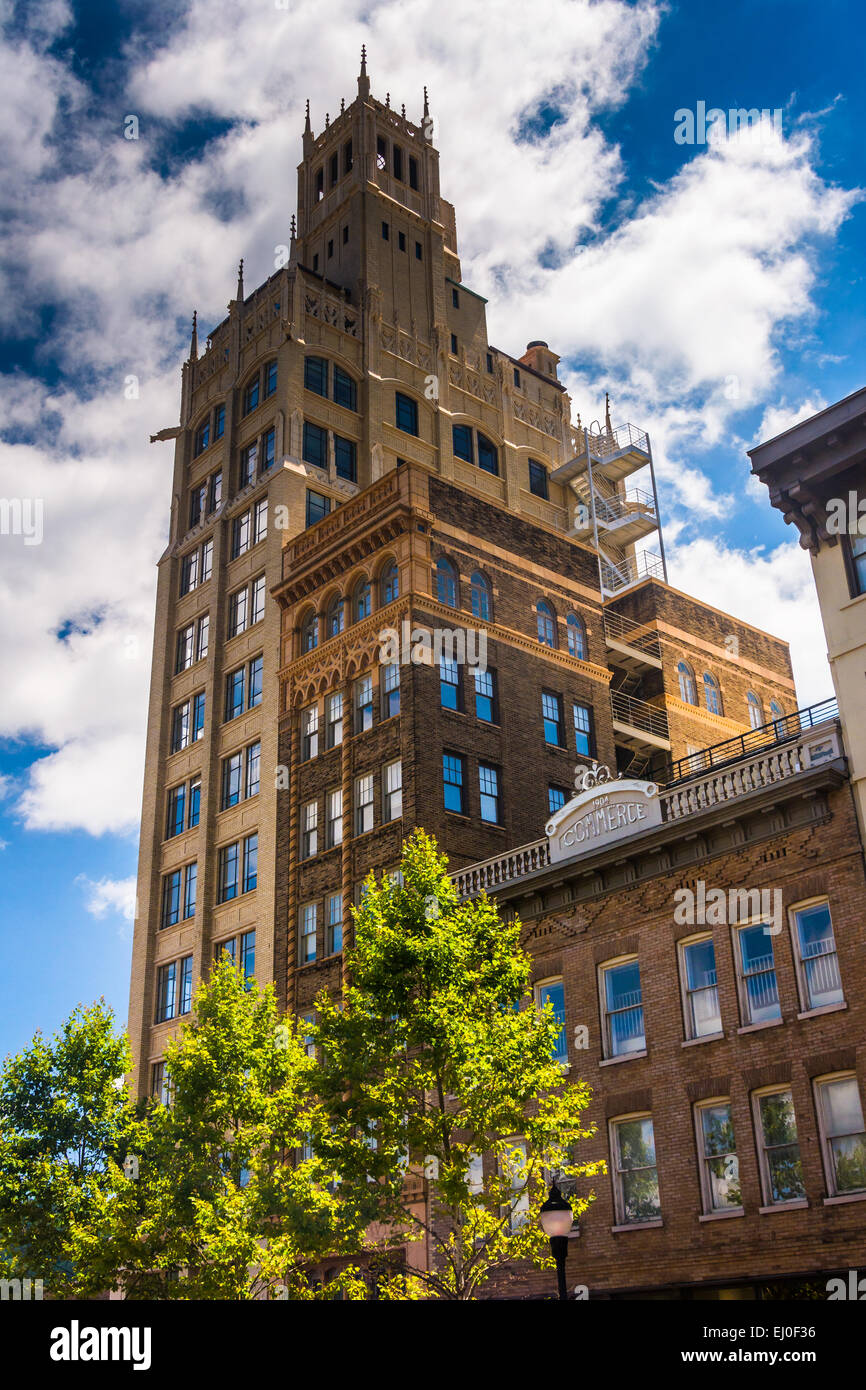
(717, 1150)
(449, 684)
(699, 987)
(390, 690)
(334, 731)
(778, 1146)
(840, 1121)
(260, 520)
(308, 923)
(309, 732)
(306, 1022)
(334, 922)
(363, 704)
(622, 1008)
(392, 791)
(513, 1164)
(488, 790)
(363, 803)
(238, 610)
(553, 992)
(309, 829)
(334, 829)
(816, 956)
(756, 974)
(635, 1174)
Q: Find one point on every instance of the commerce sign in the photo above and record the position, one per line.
(601, 815)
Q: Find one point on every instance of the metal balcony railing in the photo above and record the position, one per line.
(790, 726)
(630, 570)
(636, 502)
(621, 440)
(629, 633)
(639, 714)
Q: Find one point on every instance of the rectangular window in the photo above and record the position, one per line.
(247, 962)
(817, 960)
(335, 719)
(220, 422)
(553, 992)
(700, 992)
(386, 232)
(315, 445)
(401, 241)
(215, 488)
(855, 549)
(413, 172)
(309, 829)
(307, 1020)
(392, 791)
(461, 442)
(255, 683)
(257, 600)
(363, 704)
(840, 1120)
(231, 780)
(253, 765)
(189, 571)
(516, 377)
(196, 503)
(260, 520)
(636, 1182)
(345, 390)
(364, 803)
(488, 786)
(346, 458)
(170, 899)
(406, 413)
(556, 799)
(185, 648)
(334, 168)
(251, 861)
(583, 729)
(317, 507)
(756, 972)
(240, 535)
(160, 1086)
(449, 684)
(551, 710)
(189, 890)
(249, 461)
(228, 872)
(453, 783)
(455, 299)
(307, 932)
(198, 706)
(622, 1008)
(175, 819)
(185, 991)
(419, 254)
(268, 449)
(334, 923)
(309, 733)
(316, 375)
(485, 695)
(238, 604)
(514, 1168)
(235, 693)
(454, 348)
(538, 479)
(717, 1151)
(166, 985)
(390, 690)
(180, 727)
(490, 363)
(201, 637)
(335, 817)
(194, 802)
(397, 155)
(778, 1147)
(206, 561)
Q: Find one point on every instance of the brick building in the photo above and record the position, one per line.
(356, 466)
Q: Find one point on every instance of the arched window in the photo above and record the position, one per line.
(389, 583)
(488, 454)
(310, 632)
(482, 605)
(776, 710)
(712, 694)
(686, 677)
(363, 600)
(251, 395)
(576, 636)
(336, 616)
(316, 375)
(756, 709)
(546, 624)
(446, 582)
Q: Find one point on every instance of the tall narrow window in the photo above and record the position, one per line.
(756, 710)
(720, 1169)
(583, 729)
(314, 448)
(538, 479)
(335, 719)
(449, 684)
(309, 732)
(576, 636)
(779, 1147)
(166, 984)
(345, 389)
(446, 582)
(190, 886)
(485, 694)
(260, 520)
(389, 583)
(335, 817)
(363, 600)
(406, 413)
(307, 932)
(840, 1119)
(255, 673)
(488, 787)
(247, 961)
(170, 915)
(546, 624)
(253, 764)
(363, 704)
(346, 458)
(622, 1005)
(249, 463)
(461, 442)
(392, 791)
(309, 829)
(712, 694)
(251, 395)
(310, 632)
(551, 713)
(336, 616)
(251, 861)
(318, 507)
(759, 994)
(686, 678)
(390, 690)
(817, 960)
(364, 803)
(453, 782)
(553, 992)
(316, 375)
(636, 1182)
(334, 923)
(488, 454)
(482, 602)
(700, 991)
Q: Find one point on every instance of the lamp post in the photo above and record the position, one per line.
(556, 1217)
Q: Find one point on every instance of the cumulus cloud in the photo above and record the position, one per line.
(109, 895)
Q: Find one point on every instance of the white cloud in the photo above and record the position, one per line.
(109, 895)
(778, 418)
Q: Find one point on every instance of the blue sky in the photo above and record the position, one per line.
(717, 291)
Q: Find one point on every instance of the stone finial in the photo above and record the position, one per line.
(327, 119)
(403, 110)
(388, 100)
(342, 105)
(308, 130)
(292, 228)
(426, 104)
(193, 345)
(240, 294)
(363, 79)
(363, 60)
(607, 413)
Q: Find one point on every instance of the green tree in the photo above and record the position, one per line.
(228, 1201)
(65, 1121)
(437, 1069)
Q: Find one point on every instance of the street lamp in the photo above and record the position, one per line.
(556, 1217)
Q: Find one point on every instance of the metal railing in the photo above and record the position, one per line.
(647, 565)
(635, 502)
(626, 709)
(638, 636)
(621, 440)
(789, 726)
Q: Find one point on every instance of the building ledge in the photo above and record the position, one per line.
(710, 1037)
(756, 1027)
(722, 1215)
(627, 1057)
(799, 1205)
(637, 1226)
(844, 1198)
(824, 1009)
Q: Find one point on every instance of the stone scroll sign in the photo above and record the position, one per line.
(602, 814)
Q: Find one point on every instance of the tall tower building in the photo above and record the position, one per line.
(402, 587)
